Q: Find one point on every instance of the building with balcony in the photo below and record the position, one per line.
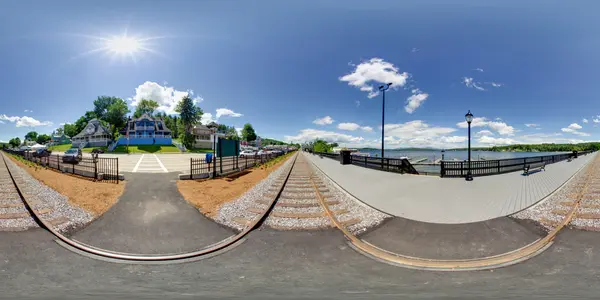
(93, 135)
(145, 130)
(205, 135)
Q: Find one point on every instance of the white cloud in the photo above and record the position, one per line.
(584, 120)
(500, 127)
(368, 75)
(532, 125)
(596, 120)
(498, 119)
(227, 112)
(484, 132)
(496, 84)
(27, 110)
(573, 128)
(357, 103)
(324, 121)
(25, 121)
(206, 119)
(353, 126)
(496, 141)
(413, 50)
(166, 97)
(468, 81)
(478, 69)
(539, 138)
(306, 135)
(414, 101)
(1, 122)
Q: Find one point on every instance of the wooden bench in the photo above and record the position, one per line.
(534, 166)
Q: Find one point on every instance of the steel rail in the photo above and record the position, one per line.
(490, 262)
(144, 257)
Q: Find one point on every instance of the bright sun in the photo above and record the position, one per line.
(123, 45)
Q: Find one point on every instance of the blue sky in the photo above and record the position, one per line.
(285, 66)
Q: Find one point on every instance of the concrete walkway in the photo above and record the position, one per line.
(152, 217)
(448, 200)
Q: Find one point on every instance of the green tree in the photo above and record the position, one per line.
(31, 136)
(42, 139)
(70, 130)
(60, 131)
(319, 145)
(15, 142)
(145, 107)
(102, 105)
(189, 115)
(116, 115)
(248, 133)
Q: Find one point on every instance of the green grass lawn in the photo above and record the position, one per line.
(200, 150)
(147, 149)
(60, 148)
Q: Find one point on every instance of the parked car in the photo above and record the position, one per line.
(72, 155)
(98, 151)
(247, 153)
(261, 152)
(41, 153)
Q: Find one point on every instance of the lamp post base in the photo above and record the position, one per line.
(469, 177)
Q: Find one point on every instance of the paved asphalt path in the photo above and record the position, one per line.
(152, 217)
(290, 265)
(454, 241)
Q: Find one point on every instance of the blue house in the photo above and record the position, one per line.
(145, 130)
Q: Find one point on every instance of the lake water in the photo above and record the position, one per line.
(434, 155)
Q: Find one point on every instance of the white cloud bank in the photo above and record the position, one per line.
(324, 121)
(354, 126)
(413, 102)
(166, 97)
(500, 127)
(227, 112)
(574, 129)
(24, 121)
(368, 75)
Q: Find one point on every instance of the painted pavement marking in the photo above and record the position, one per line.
(138, 164)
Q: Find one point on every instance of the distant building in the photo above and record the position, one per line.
(145, 130)
(205, 135)
(60, 139)
(93, 135)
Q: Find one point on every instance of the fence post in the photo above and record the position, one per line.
(117, 169)
(462, 168)
(442, 170)
(192, 170)
(96, 168)
(498, 162)
(365, 161)
(221, 163)
(58, 162)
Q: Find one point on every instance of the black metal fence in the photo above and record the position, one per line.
(491, 167)
(385, 164)
(453, 168)
(99, 168)
(227, 164)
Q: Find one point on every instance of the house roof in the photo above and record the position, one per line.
(93, 127)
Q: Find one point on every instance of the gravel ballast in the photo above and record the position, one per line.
(300, 192)
(43, 196)
(544, 212)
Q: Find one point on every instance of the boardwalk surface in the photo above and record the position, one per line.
(449, 200)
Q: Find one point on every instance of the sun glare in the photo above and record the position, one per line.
(123, 45)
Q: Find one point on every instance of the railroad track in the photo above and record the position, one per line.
(38, 215)
(590, 184)
(297, 206)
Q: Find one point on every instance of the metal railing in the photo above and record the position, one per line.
(98, 168)
(492, 167)
(453, 168)
(227, 164)
(396, 165)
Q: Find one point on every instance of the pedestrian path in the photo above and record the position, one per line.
(149, 163)
(449, 200)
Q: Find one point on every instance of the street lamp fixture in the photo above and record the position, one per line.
(469, 119)
(383, 88)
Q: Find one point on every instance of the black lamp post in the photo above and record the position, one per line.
(443, 153)
(383, 88)
(469, 118)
